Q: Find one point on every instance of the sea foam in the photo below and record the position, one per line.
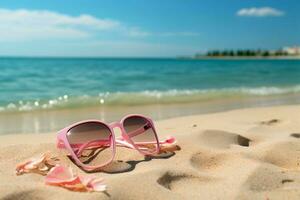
(146, 97)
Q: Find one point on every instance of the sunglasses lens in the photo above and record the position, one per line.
(141, 133)
(91, 143)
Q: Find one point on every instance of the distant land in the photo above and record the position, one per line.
(283, 53)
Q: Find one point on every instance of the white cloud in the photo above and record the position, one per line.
(47, 33)
(260, 12)
(26, 25)
(33, 24)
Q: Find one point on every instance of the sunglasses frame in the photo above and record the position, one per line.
(63, 143)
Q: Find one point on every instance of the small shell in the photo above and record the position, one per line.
(40, 165)
(64, 177)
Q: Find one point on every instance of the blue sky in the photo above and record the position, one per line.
(143, 28)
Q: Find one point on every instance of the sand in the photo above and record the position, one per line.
(240, 154)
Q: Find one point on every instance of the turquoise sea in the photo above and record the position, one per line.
(28, 84)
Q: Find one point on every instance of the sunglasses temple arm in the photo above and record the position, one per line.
(169, 140)
(91, 144)
(123, 143)
(143, 145)
(78, 147)
(99, 143)
(139, 130)
(120, 142)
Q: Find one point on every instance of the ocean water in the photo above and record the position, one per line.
(28, 84)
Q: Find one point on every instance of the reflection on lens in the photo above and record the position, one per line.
(91, 141)
(140, 131)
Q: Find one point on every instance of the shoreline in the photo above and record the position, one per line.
(43, 121)
(237, 154)
(9, 139)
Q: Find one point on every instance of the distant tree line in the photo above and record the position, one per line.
(244, 53)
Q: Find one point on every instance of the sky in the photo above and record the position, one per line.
(143, 28)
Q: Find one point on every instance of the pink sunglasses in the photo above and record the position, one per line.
(92, 143)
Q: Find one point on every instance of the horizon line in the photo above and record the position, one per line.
(88, 57)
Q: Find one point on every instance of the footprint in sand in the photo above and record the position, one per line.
(270, 178)
(222, 139)
(208, 160)
(183, 183)
(285, 155)
(281, 175)
(266, 179)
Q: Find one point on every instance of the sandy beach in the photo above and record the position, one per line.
(240, 154)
